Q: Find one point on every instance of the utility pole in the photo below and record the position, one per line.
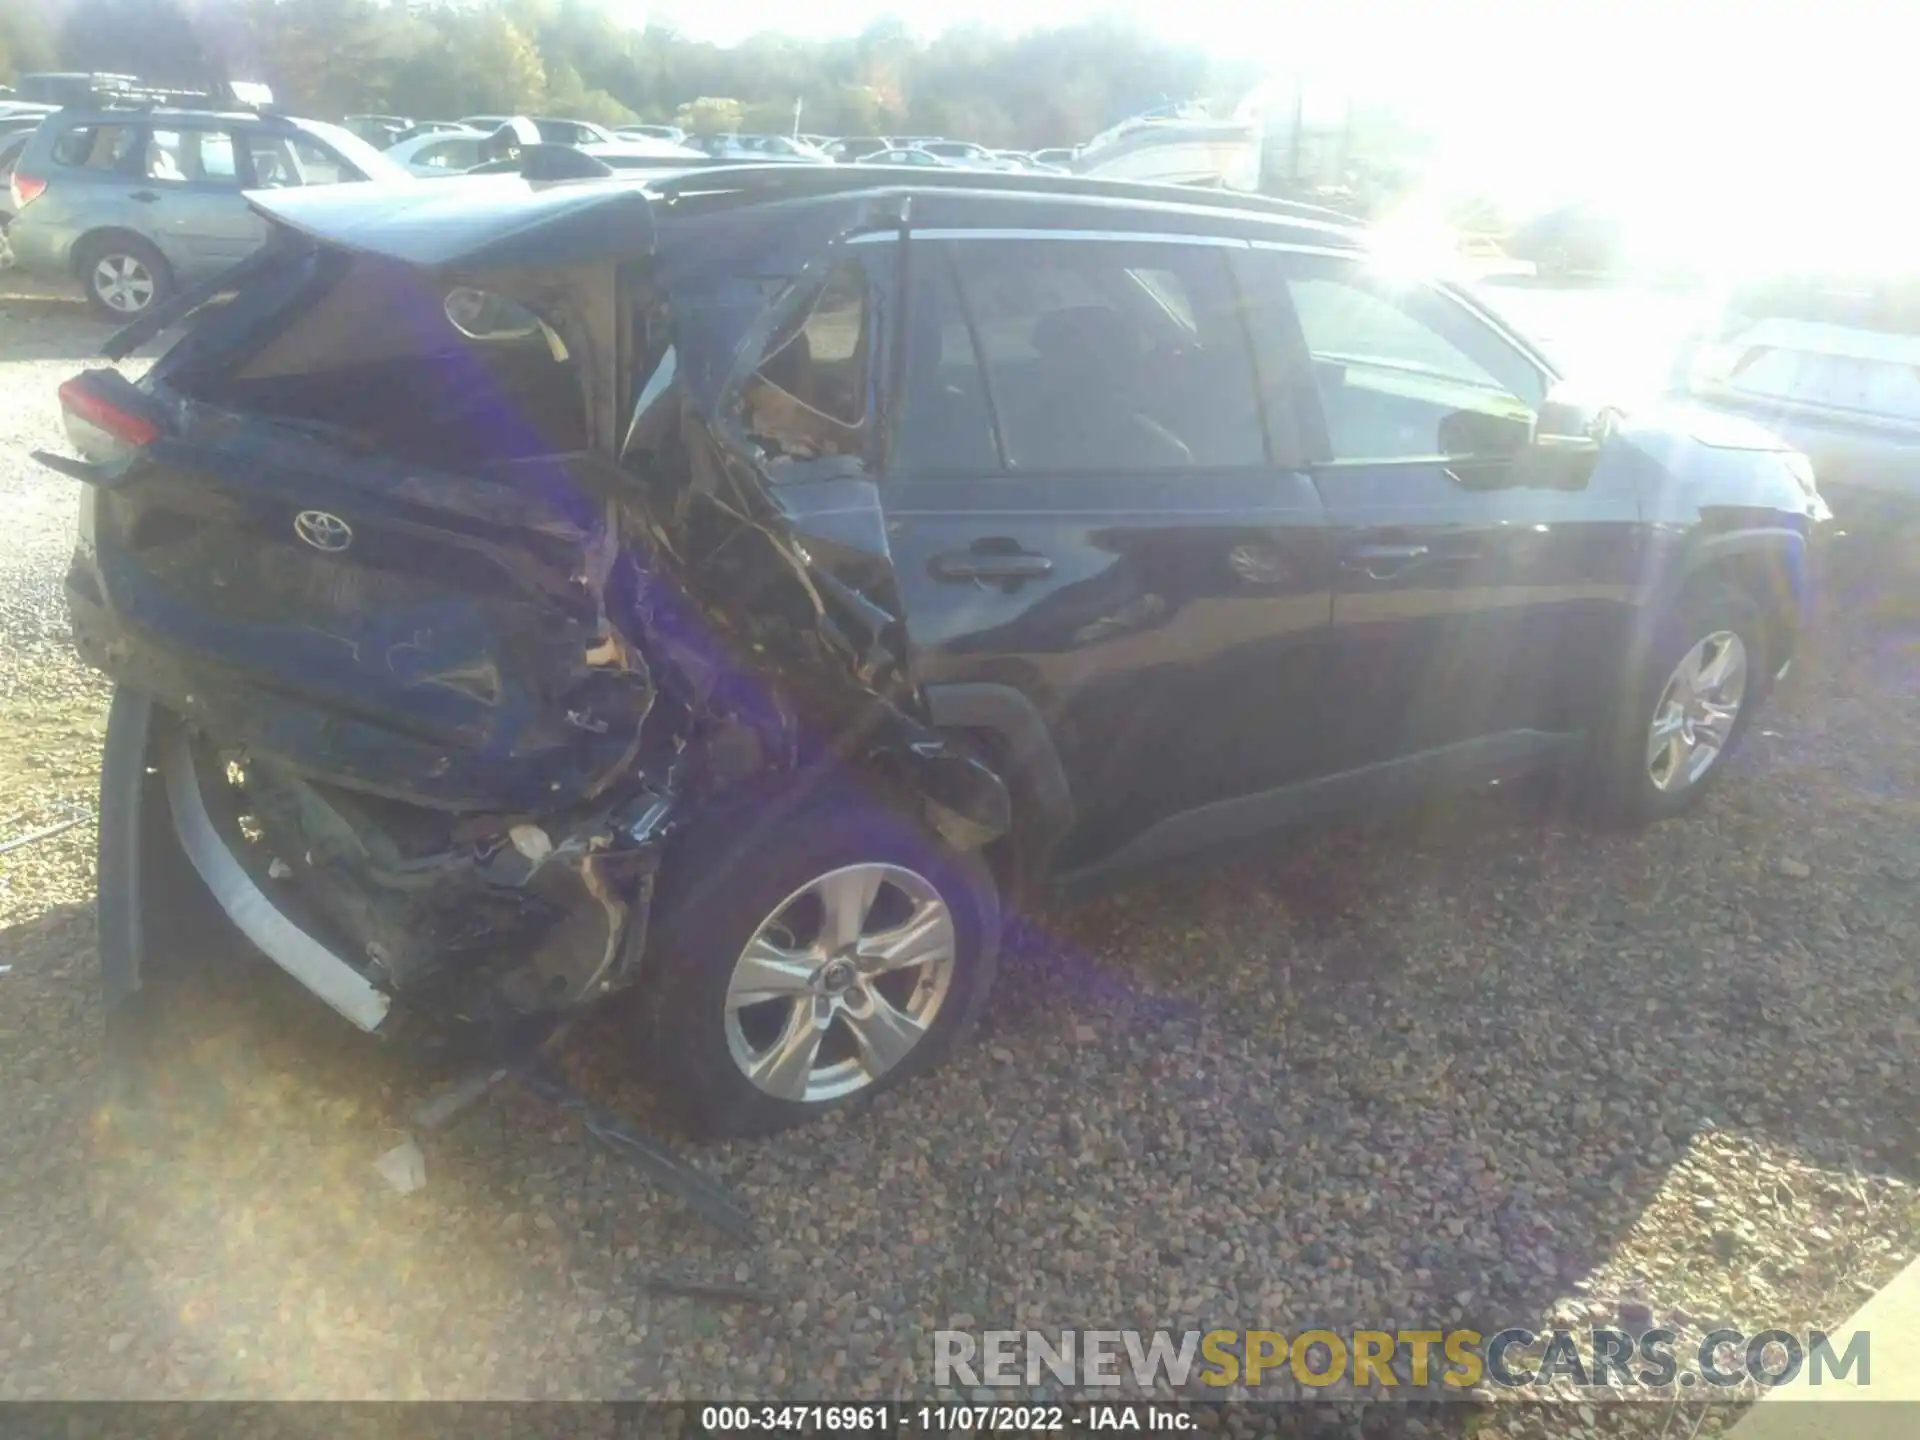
(798, 102)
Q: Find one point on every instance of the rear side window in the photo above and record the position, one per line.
(449, 155)
(189, 157)
(808, 397)
(95, 147)
(1112, 356)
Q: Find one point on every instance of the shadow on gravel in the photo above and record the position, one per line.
(1473, 1065)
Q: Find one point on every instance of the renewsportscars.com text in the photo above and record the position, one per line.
(1385, 1360)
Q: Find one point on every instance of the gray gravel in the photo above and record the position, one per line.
(1471, 1067)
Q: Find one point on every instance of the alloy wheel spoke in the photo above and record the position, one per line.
(766, 972)
(883, 1033)
(1716, 722)
(1717, 671)
(785, 1069)
(847, 897)
(927, 936)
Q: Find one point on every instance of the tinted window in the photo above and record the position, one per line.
(449, 155)
(1112, 355)
(945, 424)
(281, 161)
(190, 156)
(95, 147)
(809, 395)
(1400, 370)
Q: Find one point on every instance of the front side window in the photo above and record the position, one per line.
(1112, 356)
(1401, 370)
(808, 396)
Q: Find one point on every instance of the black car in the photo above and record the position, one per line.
(738, 587)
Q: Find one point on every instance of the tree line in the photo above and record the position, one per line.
(326, 58)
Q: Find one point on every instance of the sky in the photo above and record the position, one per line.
(1699, 115)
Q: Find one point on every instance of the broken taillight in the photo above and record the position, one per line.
(84, 406)
(26, 189)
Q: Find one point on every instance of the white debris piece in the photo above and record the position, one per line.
(403, 1167)
(531, 841)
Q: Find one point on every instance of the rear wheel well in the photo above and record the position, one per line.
(95, 241)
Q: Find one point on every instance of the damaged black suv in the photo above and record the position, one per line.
(732, 587)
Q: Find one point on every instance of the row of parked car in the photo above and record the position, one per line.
(135, 198)
(440, 147)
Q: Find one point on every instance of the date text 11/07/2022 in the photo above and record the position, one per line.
(910, 1419)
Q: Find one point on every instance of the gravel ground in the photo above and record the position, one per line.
(1472, 1067)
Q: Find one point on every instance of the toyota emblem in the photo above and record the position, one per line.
(323, 531)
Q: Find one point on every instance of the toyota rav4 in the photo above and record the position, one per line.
(736, 587)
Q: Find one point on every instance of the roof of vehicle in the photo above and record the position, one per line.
(478, 222)
(109, 112)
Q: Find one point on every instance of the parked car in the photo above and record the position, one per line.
(779, 149)
(907, 155)
(673, 134)
(553, 130)
(965, 152)
(379, 131)
(475, 685)
(10, 148)
(627, 155)
(440, 153)
(1061, 156)
(856, 147)
(1832, 364)
(431, 127)
(133, 202)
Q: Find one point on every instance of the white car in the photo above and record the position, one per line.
(908, 155)
(1831, 364)
(447, 152)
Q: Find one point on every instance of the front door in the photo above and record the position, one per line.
(1477, 600)
(1083, 507)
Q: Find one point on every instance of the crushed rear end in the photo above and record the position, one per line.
(436, 681)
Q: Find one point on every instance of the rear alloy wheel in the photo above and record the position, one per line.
(840, 983)
(124, 278)
(812, 962)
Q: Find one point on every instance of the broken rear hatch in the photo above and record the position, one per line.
(331, 524)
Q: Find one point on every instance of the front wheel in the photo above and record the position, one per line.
(1684, 711)
(811, 962)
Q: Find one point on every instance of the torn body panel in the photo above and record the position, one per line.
(466, 666)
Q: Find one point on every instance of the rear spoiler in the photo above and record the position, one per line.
(469, 223)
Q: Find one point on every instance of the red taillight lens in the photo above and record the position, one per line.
(82, 404)
(26, 189)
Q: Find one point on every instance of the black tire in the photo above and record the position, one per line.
(133, 257)
(1619, 787)
(731, 874)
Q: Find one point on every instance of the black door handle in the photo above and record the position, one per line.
(983, 563)
(145, 197)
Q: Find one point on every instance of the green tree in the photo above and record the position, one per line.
(710, 115)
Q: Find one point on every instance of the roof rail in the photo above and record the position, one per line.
(791, 179)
